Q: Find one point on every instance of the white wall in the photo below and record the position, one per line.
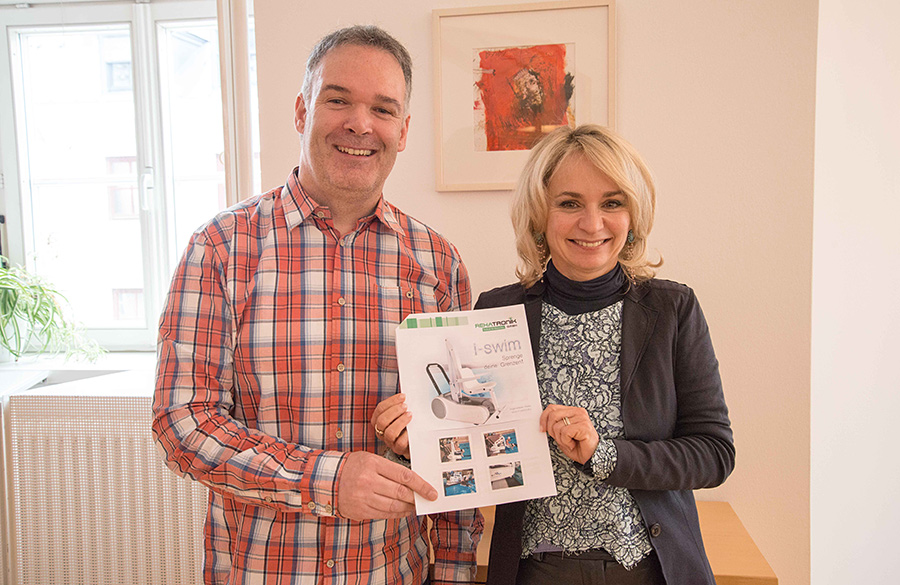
(855, 407)
(719, 96)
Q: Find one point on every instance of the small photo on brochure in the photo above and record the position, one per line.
(501, 443)
(506, 475)
(458, 482)
(455, 449)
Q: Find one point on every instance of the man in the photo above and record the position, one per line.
(277, 342)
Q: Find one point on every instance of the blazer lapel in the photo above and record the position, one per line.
(638, 321)
(533, 298)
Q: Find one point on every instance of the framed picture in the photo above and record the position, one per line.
(507, 75)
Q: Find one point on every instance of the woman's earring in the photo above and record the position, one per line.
(630, 237)
(539, 239)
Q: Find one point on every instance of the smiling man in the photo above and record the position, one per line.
(277, 342)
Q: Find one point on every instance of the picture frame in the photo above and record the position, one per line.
(506, 75)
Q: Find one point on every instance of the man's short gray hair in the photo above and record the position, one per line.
(362, 36)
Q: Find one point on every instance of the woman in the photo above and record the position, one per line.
(628, 378)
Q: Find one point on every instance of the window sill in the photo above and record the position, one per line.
(114, 374)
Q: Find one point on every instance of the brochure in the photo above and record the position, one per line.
(470, 384)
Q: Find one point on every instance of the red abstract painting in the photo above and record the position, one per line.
(521, 94)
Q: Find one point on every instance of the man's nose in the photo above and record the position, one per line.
(359, 120)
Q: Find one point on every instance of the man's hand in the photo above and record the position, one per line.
(572, 429)
(390, 419)
(371, 487)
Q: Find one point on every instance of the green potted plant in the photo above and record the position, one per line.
(32, 317)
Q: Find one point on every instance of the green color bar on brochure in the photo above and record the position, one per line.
(411, 323)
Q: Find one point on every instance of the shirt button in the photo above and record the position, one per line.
(269, 499)
(328, 508)
(312, 505)
(655, 530)
(329, 563)
(320, 214)
(339, 434)
(341, 367)
(342, 301)
(409, 294)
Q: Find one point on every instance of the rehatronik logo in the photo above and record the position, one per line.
(497, 325)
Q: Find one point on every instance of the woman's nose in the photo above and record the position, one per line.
(591, 220)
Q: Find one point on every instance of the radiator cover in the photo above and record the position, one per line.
(89, 498)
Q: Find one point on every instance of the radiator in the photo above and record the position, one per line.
(89, 500)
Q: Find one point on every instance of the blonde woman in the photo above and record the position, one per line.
(633, 401)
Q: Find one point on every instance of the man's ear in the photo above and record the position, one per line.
(300, 113)
(403, 132)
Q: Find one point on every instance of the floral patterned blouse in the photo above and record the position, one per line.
(579, 366)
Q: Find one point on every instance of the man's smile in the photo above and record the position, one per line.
(355, 151)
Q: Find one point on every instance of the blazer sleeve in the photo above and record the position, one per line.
(676, 422)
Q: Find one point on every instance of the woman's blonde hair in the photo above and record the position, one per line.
(612, 156)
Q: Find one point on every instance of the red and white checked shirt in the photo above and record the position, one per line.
(275, 345)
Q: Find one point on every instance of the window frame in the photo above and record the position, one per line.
(144, 18)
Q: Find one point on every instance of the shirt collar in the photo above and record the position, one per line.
(299, 206)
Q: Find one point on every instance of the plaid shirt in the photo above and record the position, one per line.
(275, 345)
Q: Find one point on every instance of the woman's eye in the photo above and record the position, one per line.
(568, 204)
(613, 204)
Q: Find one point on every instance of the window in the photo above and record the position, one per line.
(123, 196)
(115, 158)
(128, 304)
(118, 76)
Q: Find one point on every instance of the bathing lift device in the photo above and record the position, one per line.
(466, 400)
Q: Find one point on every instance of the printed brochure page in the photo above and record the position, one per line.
(470, 384)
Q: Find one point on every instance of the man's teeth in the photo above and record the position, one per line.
(355, 151)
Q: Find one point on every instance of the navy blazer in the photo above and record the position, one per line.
(677, 433)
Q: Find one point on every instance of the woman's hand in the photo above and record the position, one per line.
(572, 429)
(390, 419)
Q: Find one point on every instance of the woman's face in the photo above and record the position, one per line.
(588, 220)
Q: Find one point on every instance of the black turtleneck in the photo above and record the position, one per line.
(574, 297)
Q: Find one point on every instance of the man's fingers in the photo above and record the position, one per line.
(393, 413)
(387, 404)
(401, 445)
(396, 428)
(394, 491)
(409, 478)
(391, 421)
(380, 506)
(385, 490)
(373, 487)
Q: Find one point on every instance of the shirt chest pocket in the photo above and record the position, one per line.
(400, 300)
(394, 301)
